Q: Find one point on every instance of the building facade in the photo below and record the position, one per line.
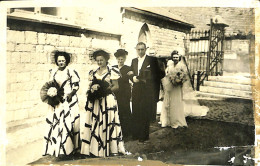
(32, 35)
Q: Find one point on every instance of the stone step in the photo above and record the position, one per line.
(213, 96)
(224, 91)
(23, 132)
(231, 79)
(227, 85)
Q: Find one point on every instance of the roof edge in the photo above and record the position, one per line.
(134, 9)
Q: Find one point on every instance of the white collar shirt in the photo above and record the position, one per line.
(140, 63)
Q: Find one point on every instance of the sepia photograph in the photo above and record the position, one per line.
(129, 85)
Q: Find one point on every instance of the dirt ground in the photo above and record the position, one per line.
(229, 123)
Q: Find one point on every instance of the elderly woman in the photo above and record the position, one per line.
(123, 95)
(102, 134)
(62, 138)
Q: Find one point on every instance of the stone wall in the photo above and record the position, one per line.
(28, 62)
(164, 36)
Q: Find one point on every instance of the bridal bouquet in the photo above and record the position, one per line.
(98, 89)
(178, 76)
(51, 93)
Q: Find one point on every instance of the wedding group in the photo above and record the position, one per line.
(121, 102)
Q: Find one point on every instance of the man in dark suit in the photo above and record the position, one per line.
(146, 76)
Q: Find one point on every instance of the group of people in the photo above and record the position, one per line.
(108, 116)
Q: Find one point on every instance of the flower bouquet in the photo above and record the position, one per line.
(178, 76)
(51, 93)
(98, 89)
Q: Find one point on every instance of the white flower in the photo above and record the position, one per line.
(139, 159)
(52, 92)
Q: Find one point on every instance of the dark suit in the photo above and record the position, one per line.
(145, 95)
(123, 96)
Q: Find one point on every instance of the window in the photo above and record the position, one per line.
(41, 10)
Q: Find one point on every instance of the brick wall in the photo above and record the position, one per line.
(164, 36)
(28, 61)
(238, 19)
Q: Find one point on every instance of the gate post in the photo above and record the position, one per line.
(198, 80)
(209, 51)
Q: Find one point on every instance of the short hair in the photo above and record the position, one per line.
(141, 43)
(174, 52)
(121, 53)
(103, 53)
(66, 55)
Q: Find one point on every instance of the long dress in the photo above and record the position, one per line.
(123, 96)
(62, 136)
(179, 100)
(102, 134)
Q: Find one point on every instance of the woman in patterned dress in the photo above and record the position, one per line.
(62, 138)
(102, 135)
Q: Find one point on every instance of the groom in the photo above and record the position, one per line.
(146, 76)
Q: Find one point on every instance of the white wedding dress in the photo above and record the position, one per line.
(179, 101)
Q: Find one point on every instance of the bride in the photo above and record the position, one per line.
(179, 98)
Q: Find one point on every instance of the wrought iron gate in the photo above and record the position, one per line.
(205, 53)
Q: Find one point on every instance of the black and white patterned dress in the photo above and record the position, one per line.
(62, 135)
(102, 135)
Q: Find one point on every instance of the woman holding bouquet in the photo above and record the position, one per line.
(102, 135)
(62, 138)
(179, 97)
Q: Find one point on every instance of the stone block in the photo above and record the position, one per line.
(31, 37)
(25, 57)
(14, 68)
(28, 104)
(29, 67)
(10, 98)
(36, 75)
(75, 41)
(8, 88)
(15, 57)
(16, 87)
(28, 86)
(39, 49)
(82, 58)
(11, 78)
(9, 116)
(41, 38)
(39, 110)
(21, 114)
(52, 39)
(8, 57)
(15, 36)
(23, 77)
(85, 42)
(43, 58)
(35, 94)
(42, 67)
(35, 59)
(22, 96)
(25, 47)
(48, 48)
(10, 46)
(64, 41)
